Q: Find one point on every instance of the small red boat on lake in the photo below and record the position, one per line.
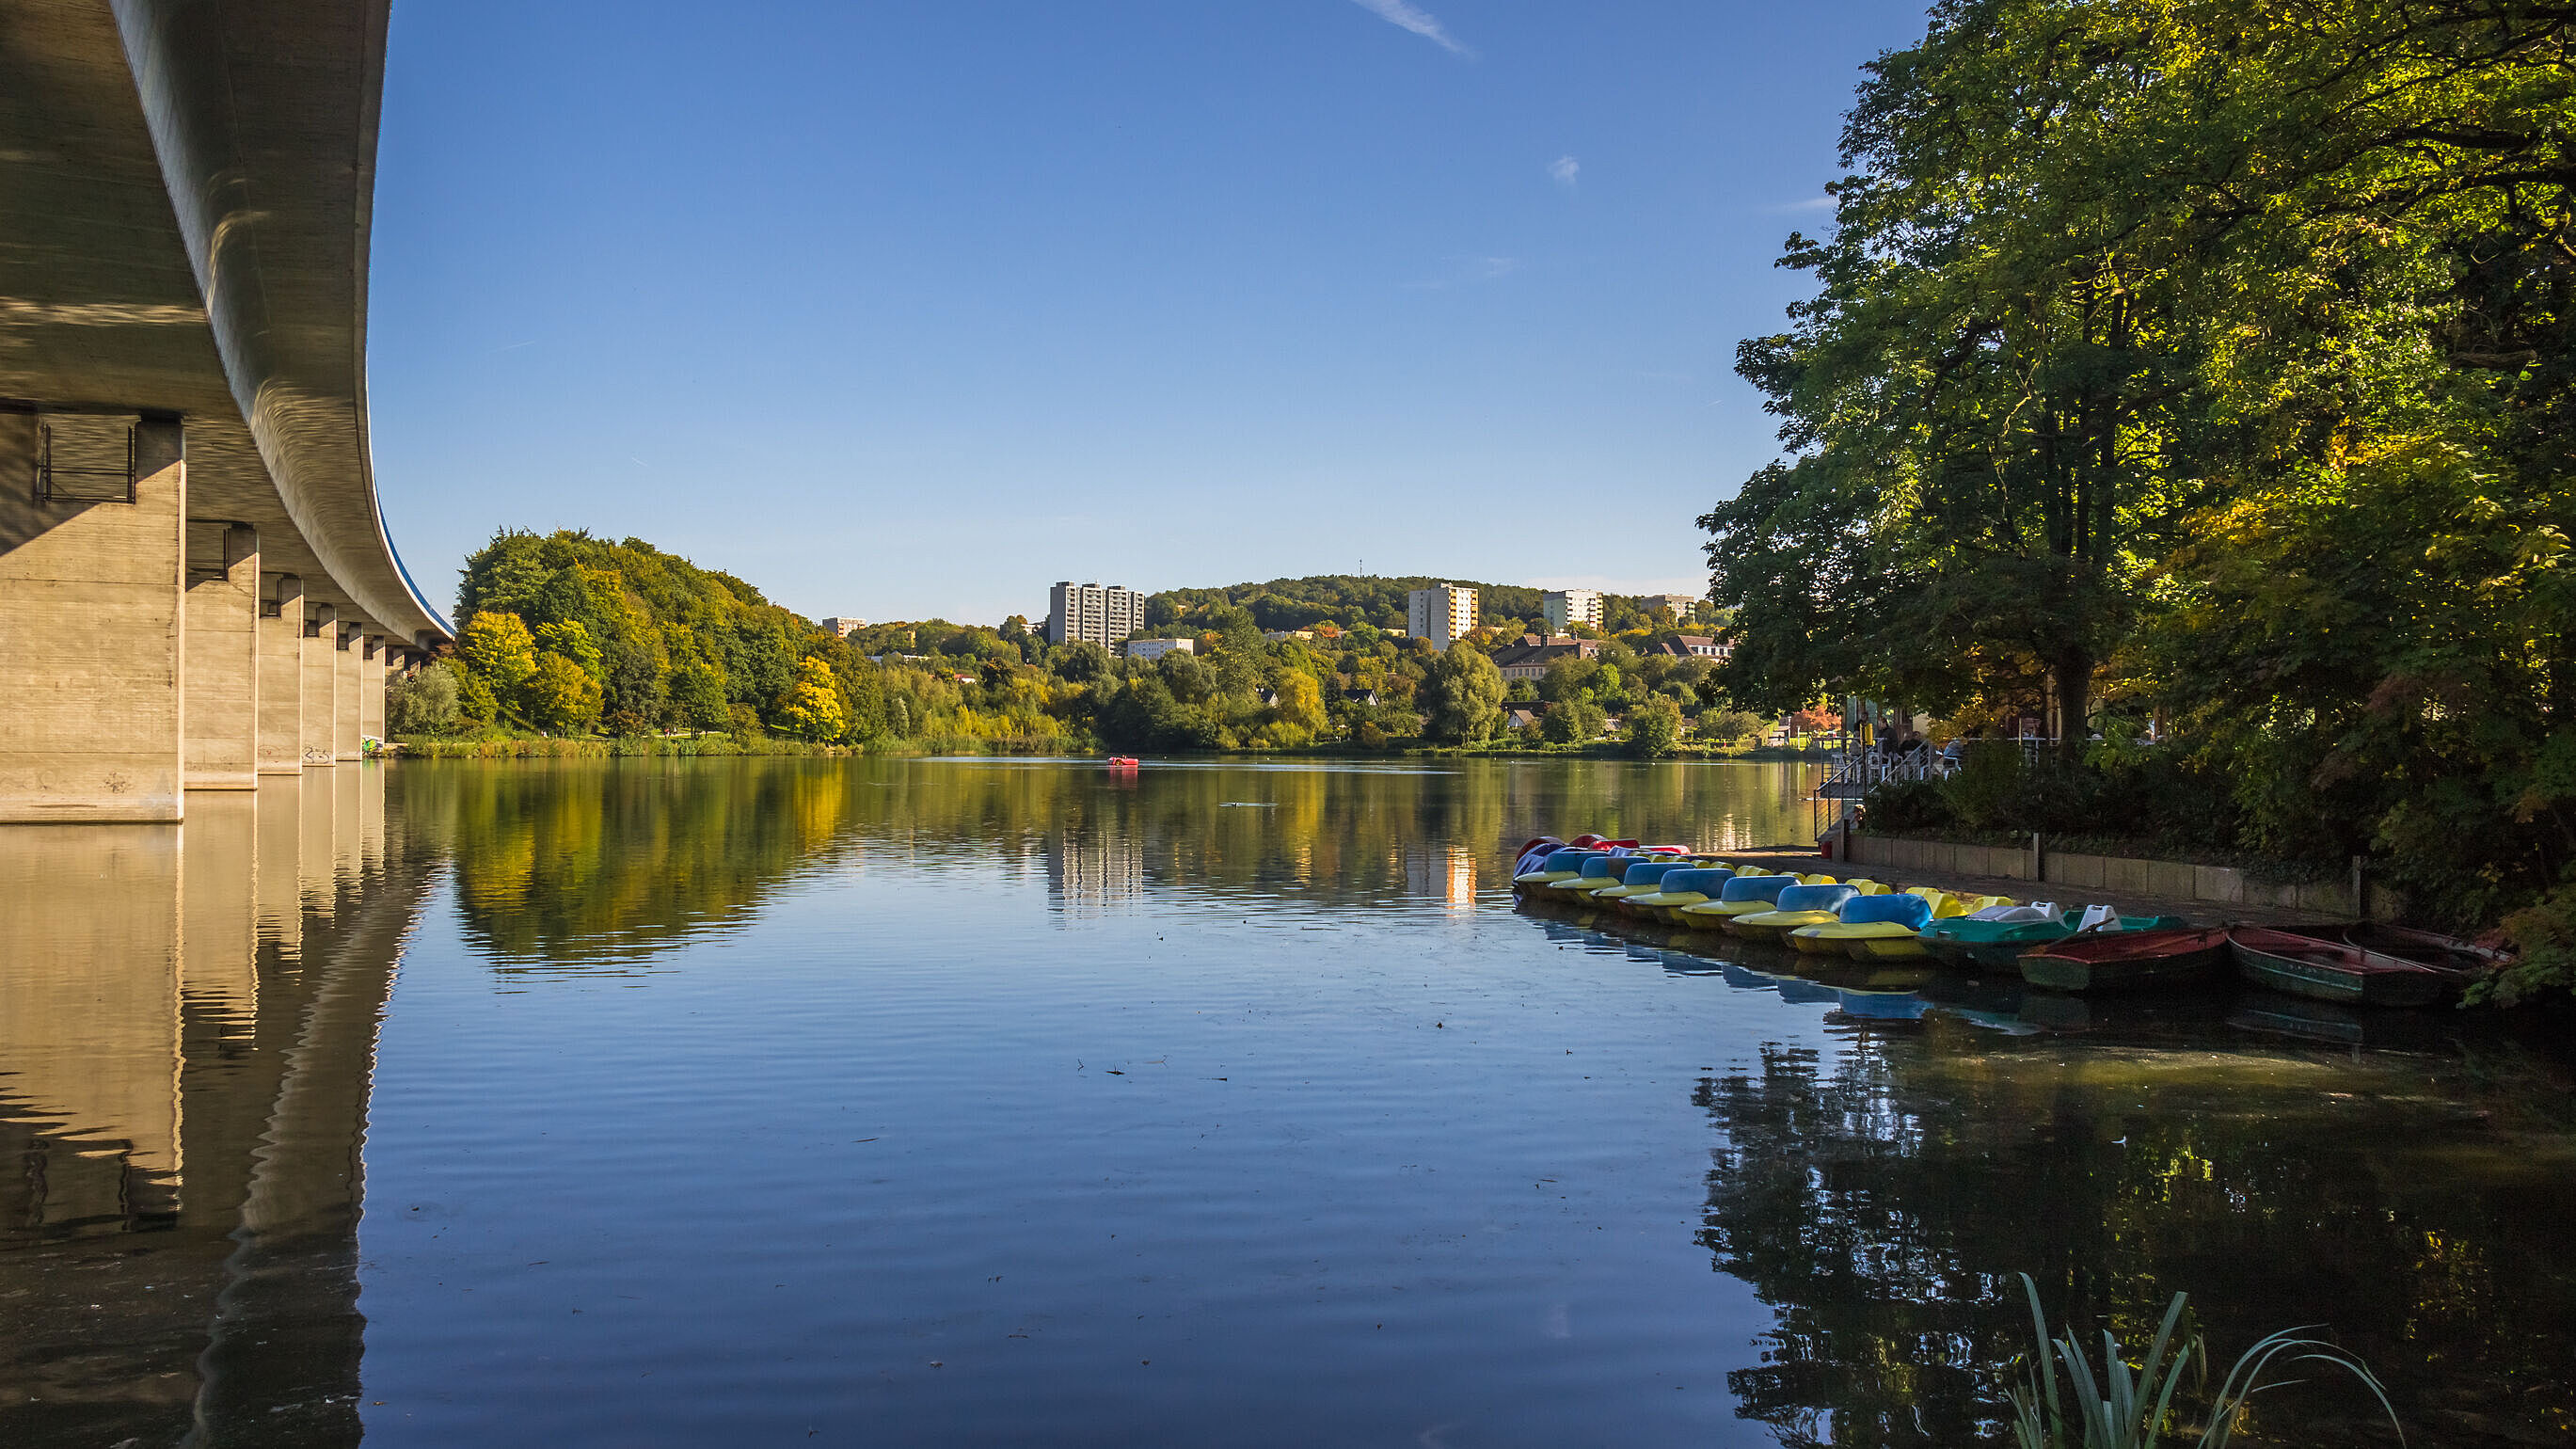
(1122, 763)
(2336, 970)
(2126, 960)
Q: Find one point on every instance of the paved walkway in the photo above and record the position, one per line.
(1790, 858)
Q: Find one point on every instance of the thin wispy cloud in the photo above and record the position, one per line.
(1414, 18)
(1469, 272)
(1812, 203)
(1564, 170)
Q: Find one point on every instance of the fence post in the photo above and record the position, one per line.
(2038, 869)
(2360, 900)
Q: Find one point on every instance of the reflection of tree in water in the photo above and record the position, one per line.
(589, 861)
(617, 858)
(1881, 1199)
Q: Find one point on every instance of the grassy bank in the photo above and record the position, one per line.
(503, 747)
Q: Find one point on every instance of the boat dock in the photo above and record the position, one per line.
(1777, 859)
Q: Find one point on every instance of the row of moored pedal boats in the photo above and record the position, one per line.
(2085, 948)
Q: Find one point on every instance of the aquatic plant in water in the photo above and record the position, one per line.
(2122, 1408)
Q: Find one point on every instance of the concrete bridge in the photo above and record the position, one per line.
(196, 585)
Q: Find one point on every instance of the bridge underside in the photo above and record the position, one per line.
(195, 582)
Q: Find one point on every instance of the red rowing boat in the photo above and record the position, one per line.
(2125, 960)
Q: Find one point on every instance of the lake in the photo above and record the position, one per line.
(757, 1101)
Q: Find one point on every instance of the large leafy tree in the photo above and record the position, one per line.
(2215, 353)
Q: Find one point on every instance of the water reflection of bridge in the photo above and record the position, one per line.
(187, 1026)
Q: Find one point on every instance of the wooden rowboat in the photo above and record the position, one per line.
(2425, 948)
(2126, 960)
(2334, 971)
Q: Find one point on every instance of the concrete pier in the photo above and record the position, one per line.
(346, 662)
(371, 688)
(281, 677)
(320, 649)
(90, 589)
(221, 678)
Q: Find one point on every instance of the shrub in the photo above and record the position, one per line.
(1988, 784)
(424, 704)
(1908, 805)
(1654, 729)
(1726, 726)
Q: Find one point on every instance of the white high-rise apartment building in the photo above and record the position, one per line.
(1087, 611)
(1440, 613)
(1682, 605)
(1571, 606)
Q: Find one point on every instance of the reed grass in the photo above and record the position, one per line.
(2117, 1407)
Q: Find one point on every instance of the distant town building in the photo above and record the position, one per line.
(1277, 636)
(1157, 648)
(1530, 658)
(1440, 613)
(843, 628)
(1566, 608)
(1680, 604)
(1088, 611)
(1697, 646)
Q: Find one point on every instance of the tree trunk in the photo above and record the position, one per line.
(2074, 680)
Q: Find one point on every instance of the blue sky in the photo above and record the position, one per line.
(910, 309)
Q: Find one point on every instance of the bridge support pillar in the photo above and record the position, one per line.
(90, 637)
(371, 689)
(281, 677)
(346, 665)
(320, 654)
(222, 674)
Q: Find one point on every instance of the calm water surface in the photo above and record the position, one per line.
(749, 1102)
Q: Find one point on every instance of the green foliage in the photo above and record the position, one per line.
(2544, 934)
(812, 709)
(1988, 785)
(1654, 729)
(424, 703)
(560, 697)
(1896, 806)
(2114, 1406)
(498, 651)
(2218, 359)
(1731, 726)
(1463, 695)
(1575, 722)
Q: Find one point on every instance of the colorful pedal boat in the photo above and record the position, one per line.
(1964, 941)
(1688, 886)
(1599, 871)
(1640, 879)
(1870, 928)
(1799, 905)
(1562, 865)
(1742, 896)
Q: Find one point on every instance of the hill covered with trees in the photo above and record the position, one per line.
(1347, 599)
(571, 634)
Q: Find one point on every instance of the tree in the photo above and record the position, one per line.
(1300, 701)
(572, 640)
(1462, 695)
(1727, 726)
(1654, 729)
(1572, 722)
(812, 709)
(424, 703)
(560, 697)
(502, 657)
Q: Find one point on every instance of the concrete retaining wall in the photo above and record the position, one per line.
(2175, 880)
